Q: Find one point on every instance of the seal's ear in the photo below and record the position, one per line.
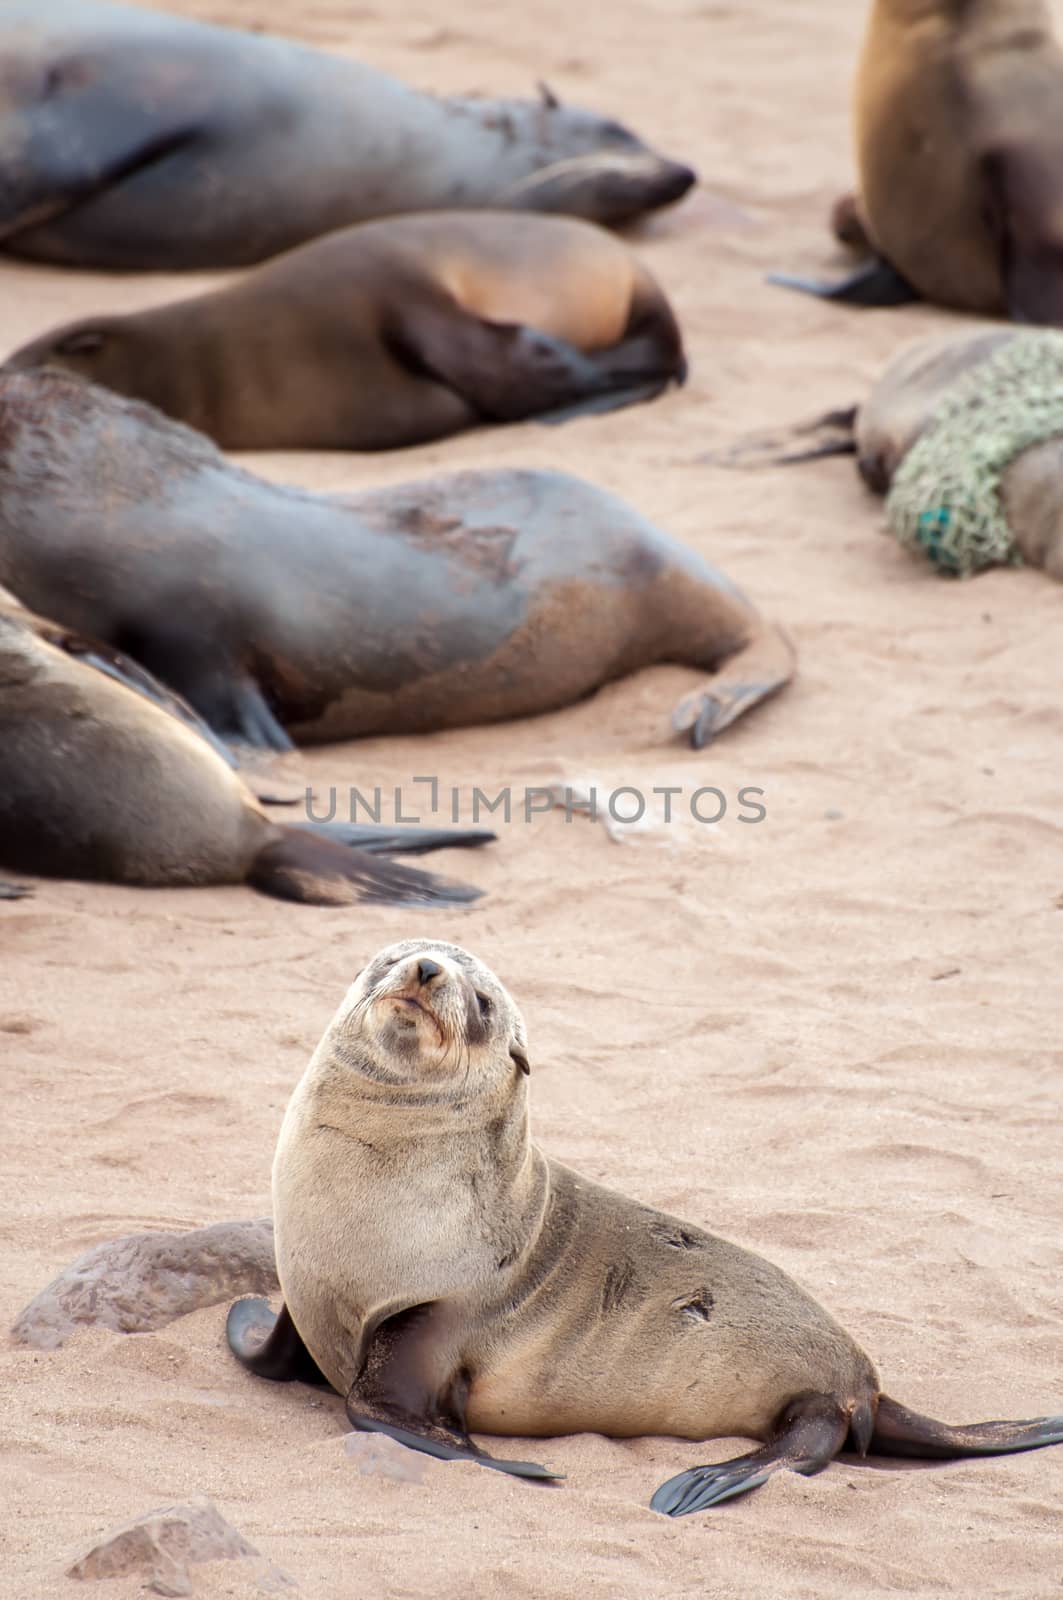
(83, 342)
(520, 1056)
(547, 96)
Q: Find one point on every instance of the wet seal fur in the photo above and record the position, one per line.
(137, 140)
(393, 333)
(105, 776)
(446, 1277)
(279, 614)
(958, 121)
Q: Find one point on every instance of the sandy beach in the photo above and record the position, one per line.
(831, 1035)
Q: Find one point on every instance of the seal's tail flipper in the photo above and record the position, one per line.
(760, 668)
(832, 434)
(378, 838)
(807, 1437)
(900, 1432)
(876, 284)
(300, 865)
(268, 1344)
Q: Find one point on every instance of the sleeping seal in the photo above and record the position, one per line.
(132, 139)
(104, 775)
(392, 333)
(284, 615)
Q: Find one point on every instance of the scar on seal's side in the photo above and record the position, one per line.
(446, 1277)
(281, 615)
(393, 333)
(137, 140)
(105, 775)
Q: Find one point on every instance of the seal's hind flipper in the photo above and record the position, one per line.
(763, 666)
(900, 1432)
(378, 838)
(301, 865)
(268, 1344)
(806, 1438)
(832, 434)
(508, 372)
(14, 891)
(407, 1389)
(876, 284)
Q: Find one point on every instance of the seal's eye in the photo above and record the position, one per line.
(484, 1004)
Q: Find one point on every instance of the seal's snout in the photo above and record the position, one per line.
(427, 970)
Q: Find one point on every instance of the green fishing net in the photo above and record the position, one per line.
(945, 496)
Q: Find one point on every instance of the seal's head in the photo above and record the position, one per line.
(427, 1012)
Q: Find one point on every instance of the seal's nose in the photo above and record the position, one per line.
(428, 969)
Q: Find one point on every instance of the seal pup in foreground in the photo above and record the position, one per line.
(457, 600)
(447, 1277)
(393, 333)
(133, 139)
(103, 775)
(958, 121)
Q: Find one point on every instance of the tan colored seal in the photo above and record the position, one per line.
(444, 1275)
(134, 139)
(105, 775)
(455, 600)
(392, 333)
(958, 127)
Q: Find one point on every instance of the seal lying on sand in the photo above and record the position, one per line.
(959, 139)
(964, 437)
(104, 776)
(393, 333)
(133, 139)
(445, 1276)
(458, 600)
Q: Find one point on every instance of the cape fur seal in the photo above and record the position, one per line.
(958, 121)
(458, 600)
(133, 139)
(445, 1276)
(393, 333)
(103, 775)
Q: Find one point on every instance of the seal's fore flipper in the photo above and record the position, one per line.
(900, 1432)
(378, 838)
(807, 1436)
(508, 372)
(267, 1343)
(1021, 207)
(224, 694)
(405, 1390)
(832, 434)
(13, 891)
(760, 668)
(876, 284)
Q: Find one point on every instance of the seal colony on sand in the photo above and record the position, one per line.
(458, 600)
(104, 776)
(958, 121)
(133, 139)
(445, 1276)
(393, 333)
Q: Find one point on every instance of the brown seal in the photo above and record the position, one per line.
(958, 122)
(393, 333)
(104, 775)
(445, 1276)
(133, 139)
(453, 601)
